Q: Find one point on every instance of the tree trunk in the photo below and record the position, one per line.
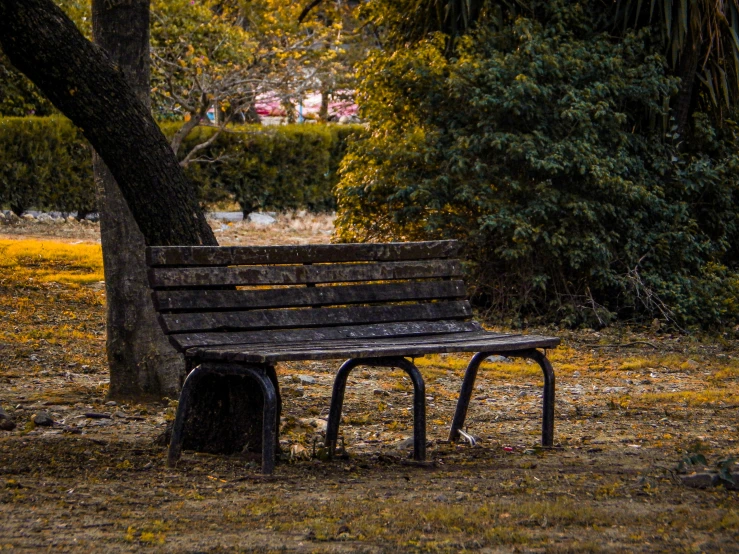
(86, 86)
(689, 60)
(141, 361)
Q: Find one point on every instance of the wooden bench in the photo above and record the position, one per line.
(240, 310)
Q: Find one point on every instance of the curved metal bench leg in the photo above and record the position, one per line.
(269, 419)
(269, 423)
(547, 422)
(547, 425)
(465, 394)
(175, 442)
(337, 403)
(419, 401)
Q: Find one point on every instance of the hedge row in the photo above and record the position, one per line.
(45, 163)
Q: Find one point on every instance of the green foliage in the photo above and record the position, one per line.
(18, 96)
(537, 143)
(44, 163)
(280, 168)
(709, 26)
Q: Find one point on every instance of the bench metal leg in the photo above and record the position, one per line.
(269, 425)
(547, 425)
(419, 401)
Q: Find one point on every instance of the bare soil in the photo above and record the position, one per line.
(630, 406)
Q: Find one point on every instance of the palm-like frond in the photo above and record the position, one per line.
(712, 26)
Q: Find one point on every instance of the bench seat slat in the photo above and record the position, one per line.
(309, 317)
(412, 346)
(185, 341)
(302, 274)
(158, 256)
(196, 300)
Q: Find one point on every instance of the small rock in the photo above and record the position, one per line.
(290, 392)
(499, 359)
(405, 444)
(44, 217)
(42, 419)
(6, 423)
(260, 219)
(120, 415)
(28, 217)
(380, 392)
(111, 403)
(700, 480)
(97, 415)
(319, 424)
(307, 379)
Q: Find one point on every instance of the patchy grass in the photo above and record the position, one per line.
(52, 262)
(625, 416)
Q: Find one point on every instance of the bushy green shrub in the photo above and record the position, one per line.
(280, 168)
(45, 163)
(540, 143)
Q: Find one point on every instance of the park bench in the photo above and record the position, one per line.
(240, 310)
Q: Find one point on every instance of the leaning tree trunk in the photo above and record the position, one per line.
(86, 86)
(141, 360)
(687, 70)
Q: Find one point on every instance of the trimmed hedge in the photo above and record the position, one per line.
(45, 163)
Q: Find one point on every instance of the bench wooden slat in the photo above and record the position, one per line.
(309, 317)
(328, 344)
(302, 274)
(186, 341)
(414, 346)
(158, 256)
(194, 300)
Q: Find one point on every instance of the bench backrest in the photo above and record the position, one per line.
(235, 295)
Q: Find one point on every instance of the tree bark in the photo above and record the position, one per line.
(86, 86)
(90, 89)
(141, 360)
(687, 69)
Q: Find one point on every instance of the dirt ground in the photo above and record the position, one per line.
(630, 406)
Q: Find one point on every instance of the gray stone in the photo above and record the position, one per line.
(380, 392)
(44, 217)
(405, 444)
(498, 359)
(6, 422)
(94, 216)
(226, 216)
(260, 219)
(42, 419)
(306, 379)
(700, 480)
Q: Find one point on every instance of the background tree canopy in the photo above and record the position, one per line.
(543, 139)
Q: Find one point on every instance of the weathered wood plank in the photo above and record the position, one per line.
(282, 336)
(302, 274)
(375, 348)
(200, 300)
(348, 343)
(309, 317)
(158, 256)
